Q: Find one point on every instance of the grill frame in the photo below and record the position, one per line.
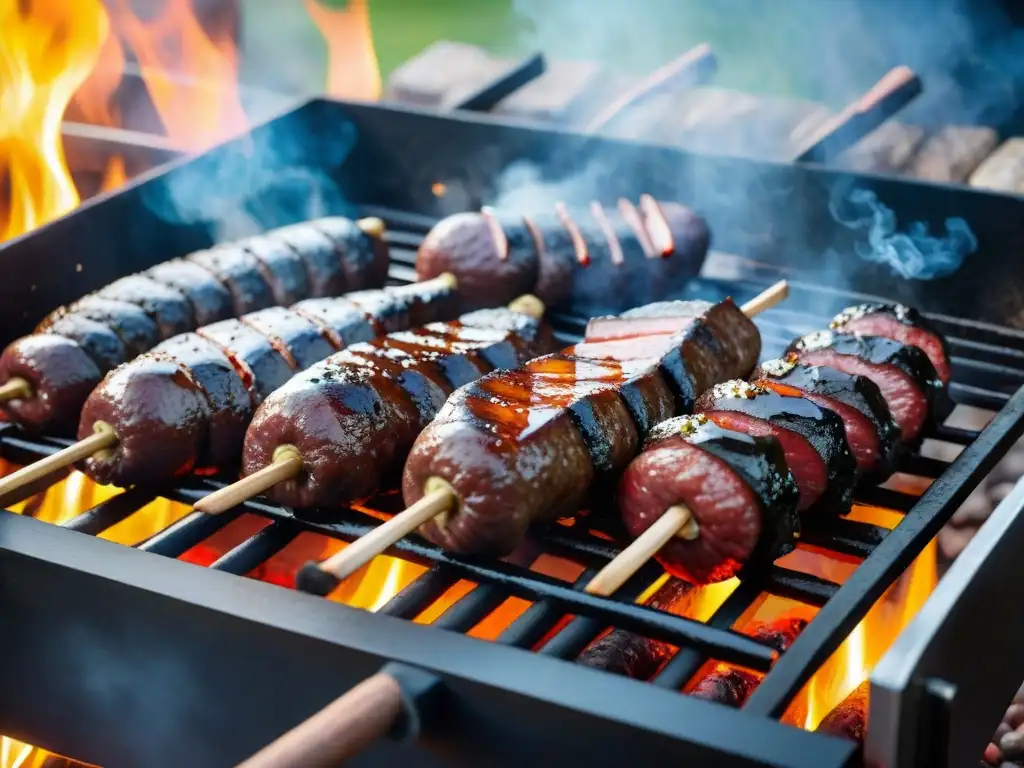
(53, 563)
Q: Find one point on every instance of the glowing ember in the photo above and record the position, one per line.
(191, 76)
(352, 71)
(49, 48)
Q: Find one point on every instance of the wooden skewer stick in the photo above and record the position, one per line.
(441, 498)
(15, 388)
(103, 438)
(285, 464)
(678, 519)
(339, 731)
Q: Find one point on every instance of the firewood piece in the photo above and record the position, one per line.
(885, 150)
(442, 72)
(1003, 170)
(952, 153)
(558, 95)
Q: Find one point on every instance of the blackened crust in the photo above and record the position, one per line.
(882, 351)
(822, 428)
(857, 392)
(464, 245)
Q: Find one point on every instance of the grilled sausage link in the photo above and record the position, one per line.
(597, 252)
(526, 445)
(72, 349)
(353, 417)
(187, 403)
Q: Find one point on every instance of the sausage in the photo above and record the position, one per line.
(732, 686)
(353, 417)
(500, 256)
(849, 718)
(176, 297)
(737, 487)
(241, 273)
(813, 439)
(906, 377)
(899, 323)
(232, 366)
(523, 446)
(360, 247)
(871, 432)
(209, 300)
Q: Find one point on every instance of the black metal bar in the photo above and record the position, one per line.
(539, 619)
(106, 514)
(257, 549)
(887, 498)
(846, 537)
(487, 97)
(420, 593)
(181, 536)
(803, 587)
(891, 557)
(922, 466)
(687, 661)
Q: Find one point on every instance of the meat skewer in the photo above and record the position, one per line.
(520, 446)
(813, 438)
(46, 377)
(498, 256)
(661, 494)
(871, 432)
(345, 426)
(187, 403)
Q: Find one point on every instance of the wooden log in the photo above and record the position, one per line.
(952, 153)
(885, 150)
(1003, 170)
(446, 72)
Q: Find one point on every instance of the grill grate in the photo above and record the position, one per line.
(988, 366)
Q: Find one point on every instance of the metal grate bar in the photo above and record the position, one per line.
(687, 662)
(540, 618)
(420, 594)
(846, 537)
(802, 587)
(891, 557)
(192, 529)
(106, 514)
(256, 550)
(897, 501)
(473, 608)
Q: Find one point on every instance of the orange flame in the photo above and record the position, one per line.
(352, 69)
(191, 76)
(49, 47)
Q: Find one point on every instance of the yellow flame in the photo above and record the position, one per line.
(48, 49)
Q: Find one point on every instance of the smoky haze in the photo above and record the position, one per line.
(830, 51)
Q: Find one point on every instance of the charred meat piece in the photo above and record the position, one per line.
(353, 417)
(737, 487)
(899, 323)
(905, 375)
(525, 446)
(498, 256)
(871, 432)
(230, 367)
(176, 297)
(813, 438)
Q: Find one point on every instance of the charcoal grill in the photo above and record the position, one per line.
(120, 657)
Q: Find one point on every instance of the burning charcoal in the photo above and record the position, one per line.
(1012, 746)
(1014, 716)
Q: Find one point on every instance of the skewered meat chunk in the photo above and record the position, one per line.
(737, 487)
(498, 256)
(52, 378)
(905, 375)
(353, 417)
(524, 446)
(229, 368)
(871, 432)
(899, 323)
(813, 438)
